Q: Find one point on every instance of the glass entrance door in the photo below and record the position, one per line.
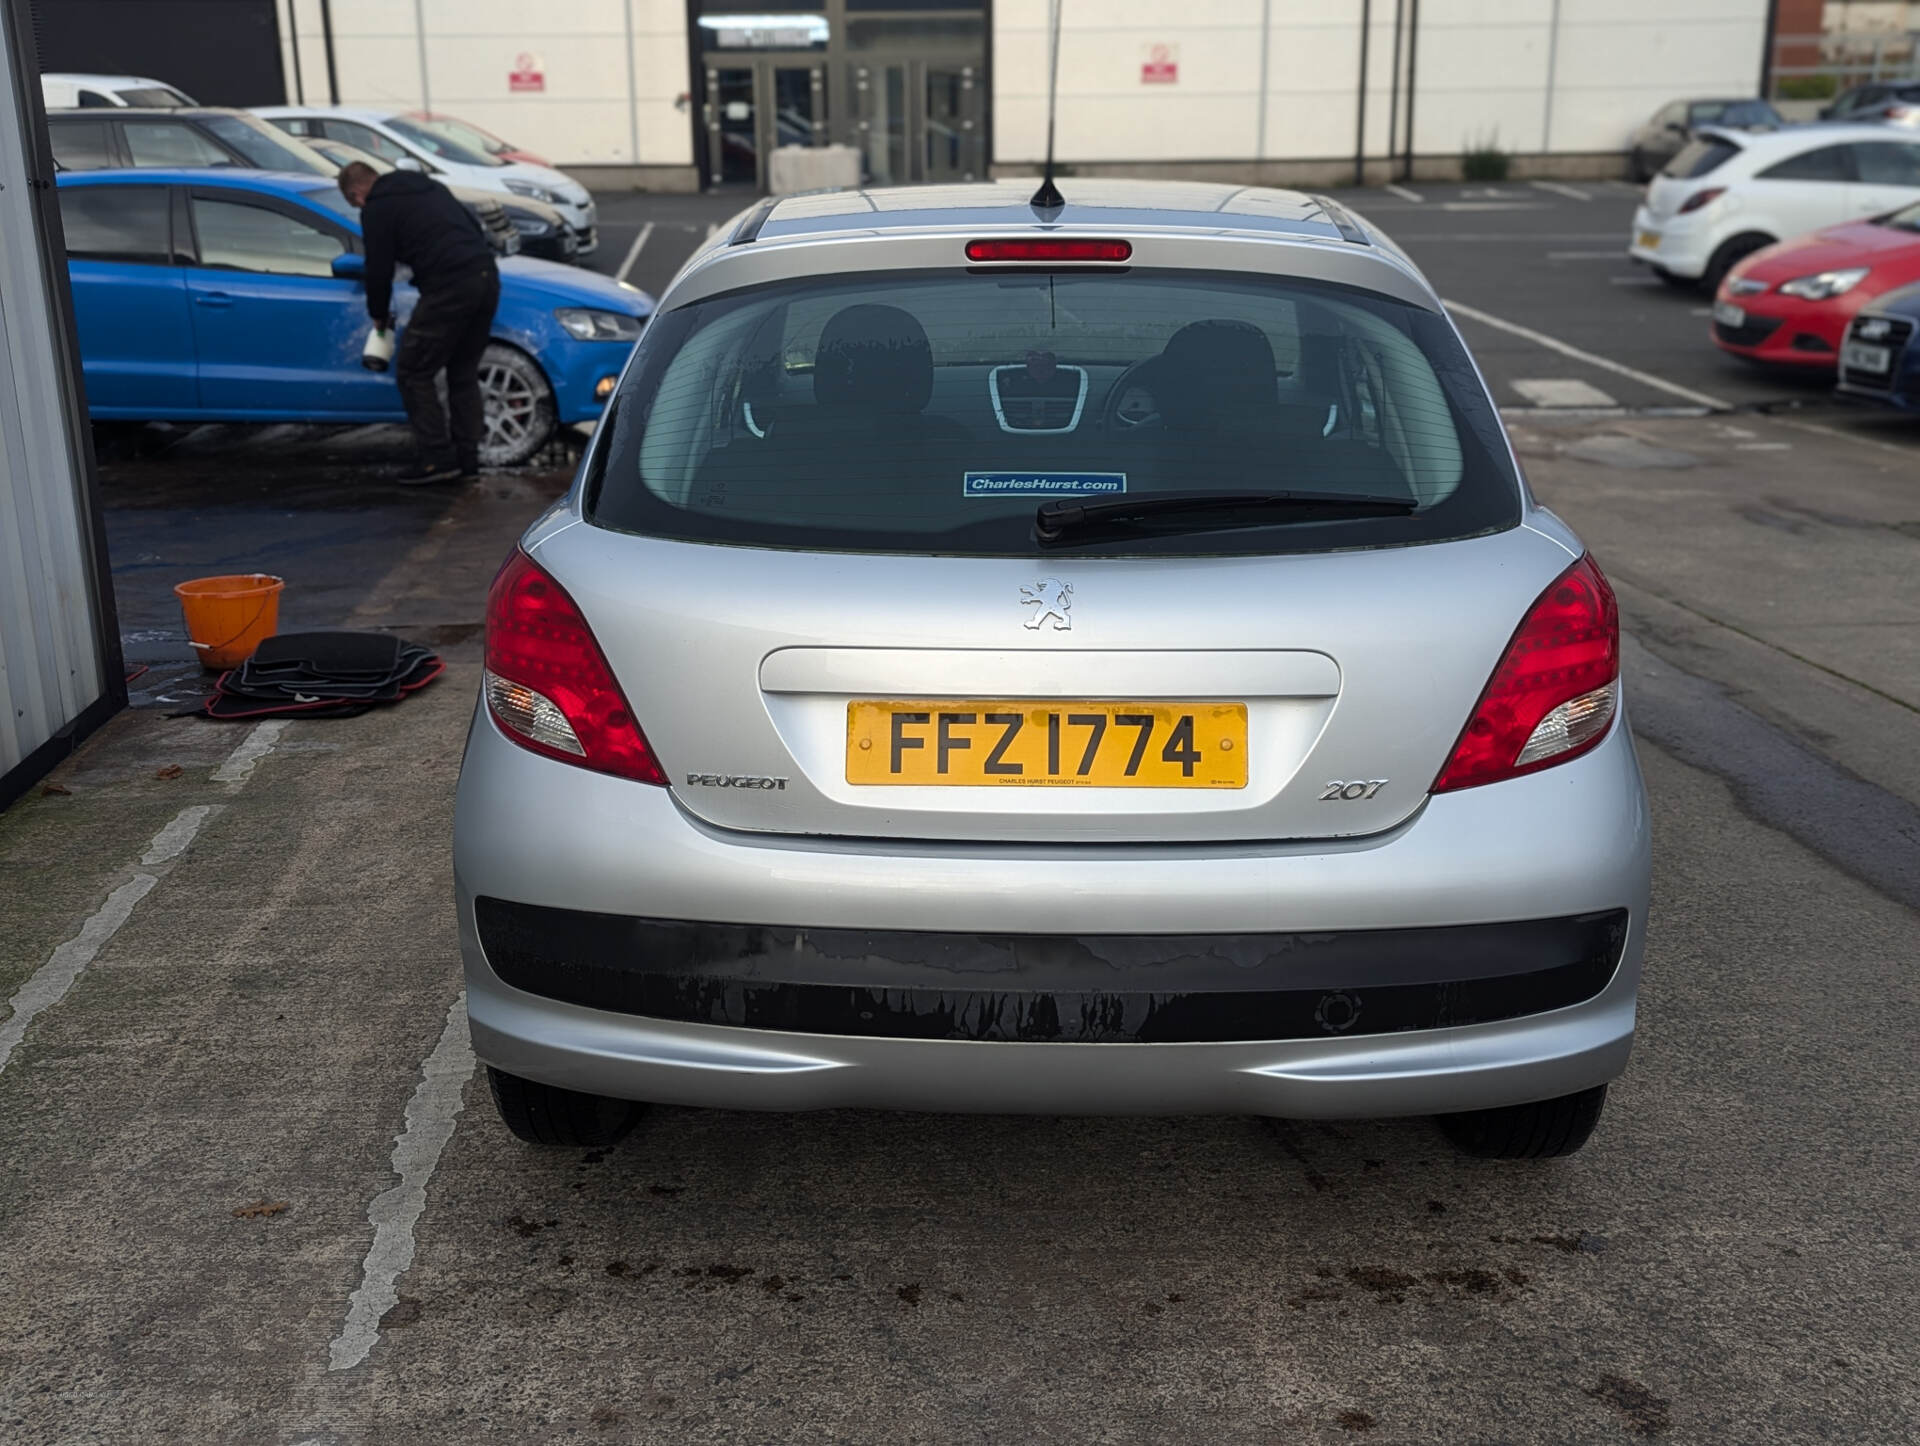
(753, 108)
(917, 121)
(733, 151)
(951, 138)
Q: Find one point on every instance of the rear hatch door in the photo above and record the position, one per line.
(767, 680)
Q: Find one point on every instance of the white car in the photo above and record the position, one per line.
(395, 136)
(1728, 193)
(66, 90)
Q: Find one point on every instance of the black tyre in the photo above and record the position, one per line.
(1678, 283)
(544, 1114)
(1536, 1131)
(1731, 253)
(520, 412)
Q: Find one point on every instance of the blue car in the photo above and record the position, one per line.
(236, 296)
(1879, 360)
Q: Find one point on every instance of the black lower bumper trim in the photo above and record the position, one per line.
(1143, 989)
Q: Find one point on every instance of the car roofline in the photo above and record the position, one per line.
(277, 182)
(721, 266)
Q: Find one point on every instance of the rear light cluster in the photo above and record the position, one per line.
(1555, 690)
(1705, 196)
(548, 684)
(1050, 249)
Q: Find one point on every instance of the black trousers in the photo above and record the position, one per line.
(450, 328)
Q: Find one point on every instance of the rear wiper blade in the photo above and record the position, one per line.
(1055, 523)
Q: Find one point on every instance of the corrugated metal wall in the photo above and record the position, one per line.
(59, 658)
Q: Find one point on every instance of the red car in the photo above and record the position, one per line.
(1790, 303)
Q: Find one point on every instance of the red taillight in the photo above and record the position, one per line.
(1049, 249)
(1705, 197)
(548, 684)
(1555, 691)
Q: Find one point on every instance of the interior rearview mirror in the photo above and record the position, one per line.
(350, 265)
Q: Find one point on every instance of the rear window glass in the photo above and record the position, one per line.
(1734, 113)
(934, 411)
(1829, 163)
(115, 223)
(1698, 157)
(81, 145)
(155, 97)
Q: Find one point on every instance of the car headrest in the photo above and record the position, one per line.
(876, 357)
(1211, 368)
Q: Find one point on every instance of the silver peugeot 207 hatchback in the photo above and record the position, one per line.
(1096, 658)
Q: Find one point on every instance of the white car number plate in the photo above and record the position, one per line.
(1727, 314)
(1864, 358)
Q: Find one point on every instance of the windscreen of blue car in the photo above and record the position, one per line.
(934, 411)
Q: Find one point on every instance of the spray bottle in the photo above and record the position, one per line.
(377, 354)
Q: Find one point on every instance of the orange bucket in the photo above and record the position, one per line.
(228, 617)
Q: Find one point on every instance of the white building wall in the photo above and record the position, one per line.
(1481, 75)
(614, 71)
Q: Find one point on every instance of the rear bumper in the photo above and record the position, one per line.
(1680, 248)
(1566, 842)
(1435, 1071)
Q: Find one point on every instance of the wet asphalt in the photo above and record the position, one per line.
(200, 1134)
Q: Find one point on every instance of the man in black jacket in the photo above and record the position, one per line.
(406, 217)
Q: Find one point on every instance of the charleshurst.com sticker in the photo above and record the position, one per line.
(1042, 484)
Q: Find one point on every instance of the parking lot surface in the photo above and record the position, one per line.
(257, 1193)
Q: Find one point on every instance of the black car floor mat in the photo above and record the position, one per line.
(322, 675)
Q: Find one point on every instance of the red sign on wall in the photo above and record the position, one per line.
(1161, 65)
(527, 73)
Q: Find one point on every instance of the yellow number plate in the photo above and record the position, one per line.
(1056, 743)
(1650, 240)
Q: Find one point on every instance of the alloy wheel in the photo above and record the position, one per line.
(511, 407)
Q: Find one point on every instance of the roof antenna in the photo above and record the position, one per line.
(1048, 197)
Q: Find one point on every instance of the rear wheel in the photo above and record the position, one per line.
(544, 1114)
(520, 413)
(1538, 1130)
(1730, 255)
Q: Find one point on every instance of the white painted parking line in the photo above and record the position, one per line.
(1618, 253)
(397, 1209)
(49, 984)
(172, 841)
(1562, 392)
(633, 253)
(1822, 430)
(1606, 364)
(1394, 189)
(1763, 446)
(1635, 281)
(247, 755)
(1572, 193)
(1494, 206)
